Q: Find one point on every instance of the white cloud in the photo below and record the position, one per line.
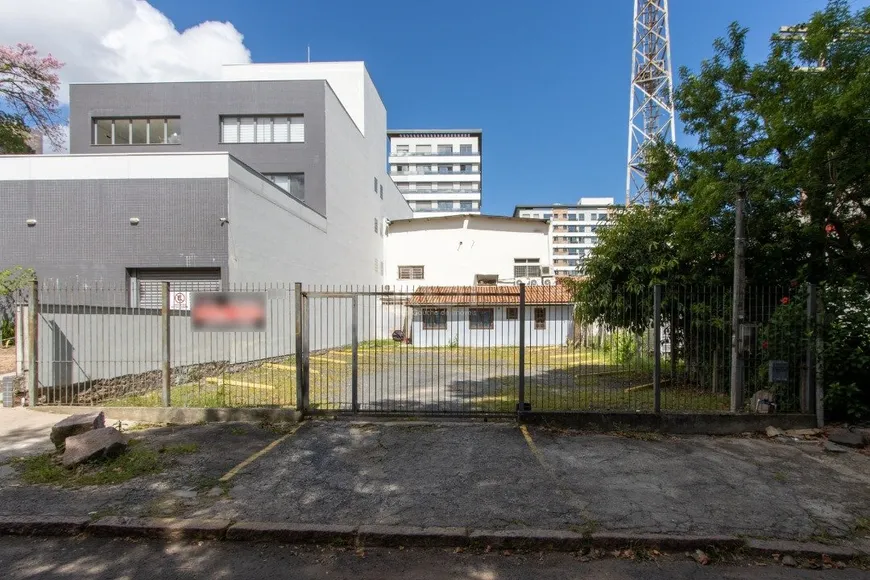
(119, 41)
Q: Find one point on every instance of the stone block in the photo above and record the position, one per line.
(76, 425)
(105, 442)
(847, 438)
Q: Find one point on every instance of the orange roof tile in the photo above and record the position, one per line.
(488, 295)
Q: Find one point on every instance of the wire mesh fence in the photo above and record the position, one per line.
(451, 350)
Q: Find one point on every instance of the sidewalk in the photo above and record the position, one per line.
(486, 476)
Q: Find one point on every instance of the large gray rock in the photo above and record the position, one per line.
(75, 425)
(847, 438)
(105, 442)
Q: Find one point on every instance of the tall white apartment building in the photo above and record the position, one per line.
(438, 171)
(573, 229)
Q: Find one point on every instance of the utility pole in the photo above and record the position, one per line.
(651, 115)
(737, 304)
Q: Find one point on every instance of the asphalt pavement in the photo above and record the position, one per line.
(93, 559)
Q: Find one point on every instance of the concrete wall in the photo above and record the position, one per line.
(83, 236)
(200, 106)
(505, 332)
(453, 250)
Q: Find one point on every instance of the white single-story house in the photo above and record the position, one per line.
(487, 316)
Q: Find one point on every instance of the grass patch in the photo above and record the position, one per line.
(46, 469)
(780, 477)
(862, 525)
(180, 449)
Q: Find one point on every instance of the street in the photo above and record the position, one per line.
(94, 558)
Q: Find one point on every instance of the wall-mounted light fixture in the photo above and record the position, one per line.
(31, 222)
(134, 221)
(224, 221)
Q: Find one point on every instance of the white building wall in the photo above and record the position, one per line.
(558, 331)
(453, 250)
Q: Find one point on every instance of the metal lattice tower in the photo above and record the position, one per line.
(652, 92)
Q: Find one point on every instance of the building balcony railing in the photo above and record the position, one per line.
(436, 172)
(446, 191)
(447, 209)
(435, 154)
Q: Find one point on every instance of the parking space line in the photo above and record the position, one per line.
(534, 448)
(235, 470)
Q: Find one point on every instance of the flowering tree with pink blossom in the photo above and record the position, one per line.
(28, 97)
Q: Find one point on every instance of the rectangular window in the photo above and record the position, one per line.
(263, 129)
(512, 314)
(581, 217)
(444, 186)
(377, 265)
(445, 205)
(382, 191)
(434, 318)
(465, 149)
(445, 150)
(402, 149)
(465, 205)
(540, 318)
(410, 272)
(376, 184)
(527, 268)
(136, 131)
(423, 149)
(145, 284)
(602, 217)
(376, 225)
(445, 169)
(572, 217)
(293, 183)
(480, 318)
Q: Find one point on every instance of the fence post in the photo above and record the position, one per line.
(297, 289)
(33, 342)
(165, 347)
(819, 371)
(521, 406)
(808, 397)
(306, 370)
(355, 355)
(737, 306)
(657, 368)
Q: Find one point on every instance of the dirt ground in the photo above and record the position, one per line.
(7, 360)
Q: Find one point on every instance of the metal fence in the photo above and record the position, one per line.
(466, 350)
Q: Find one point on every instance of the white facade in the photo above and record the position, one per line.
(557, 329)
(466, 250)
(438, 172)
(573, 229)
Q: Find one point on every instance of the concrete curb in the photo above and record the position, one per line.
(406, 536)
(183, 415)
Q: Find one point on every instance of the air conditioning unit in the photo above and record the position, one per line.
(533, 282)
(519, 281)
(546, 271)
(549, 282)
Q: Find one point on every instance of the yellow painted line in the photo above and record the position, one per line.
(232, 472)
(288, 367)
(535, 451)
(232, 383)
(327, 359)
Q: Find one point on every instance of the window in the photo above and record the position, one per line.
(445, 169)
(548, 216)
(400, 168)
(465, 169)
(377, 265)
(445, 150)
(145, 284)
(382, 191)
(402, 149)
(465, 149)
(480, 318)
(581, 217)
(486, 279)
(423, 149)
(292, 183)
(602, 217)
(424, 169)
(136, 131)
(421, 186)
(572, 217)
(445, 205)
(581, 229)
(527, 267)
(434, 318)
(261, 129)
(376, 225)
(410, 272)
(376, 184)
(540, 318)
(443, 186)
(465, 205)
(593, 228)
(512, 314)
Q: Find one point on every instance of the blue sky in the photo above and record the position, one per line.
(547, 81)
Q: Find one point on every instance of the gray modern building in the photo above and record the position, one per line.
(276, 174)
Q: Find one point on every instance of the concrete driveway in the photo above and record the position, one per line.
(25, 432)
(501, 476)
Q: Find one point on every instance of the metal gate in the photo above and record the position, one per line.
(426, 351)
